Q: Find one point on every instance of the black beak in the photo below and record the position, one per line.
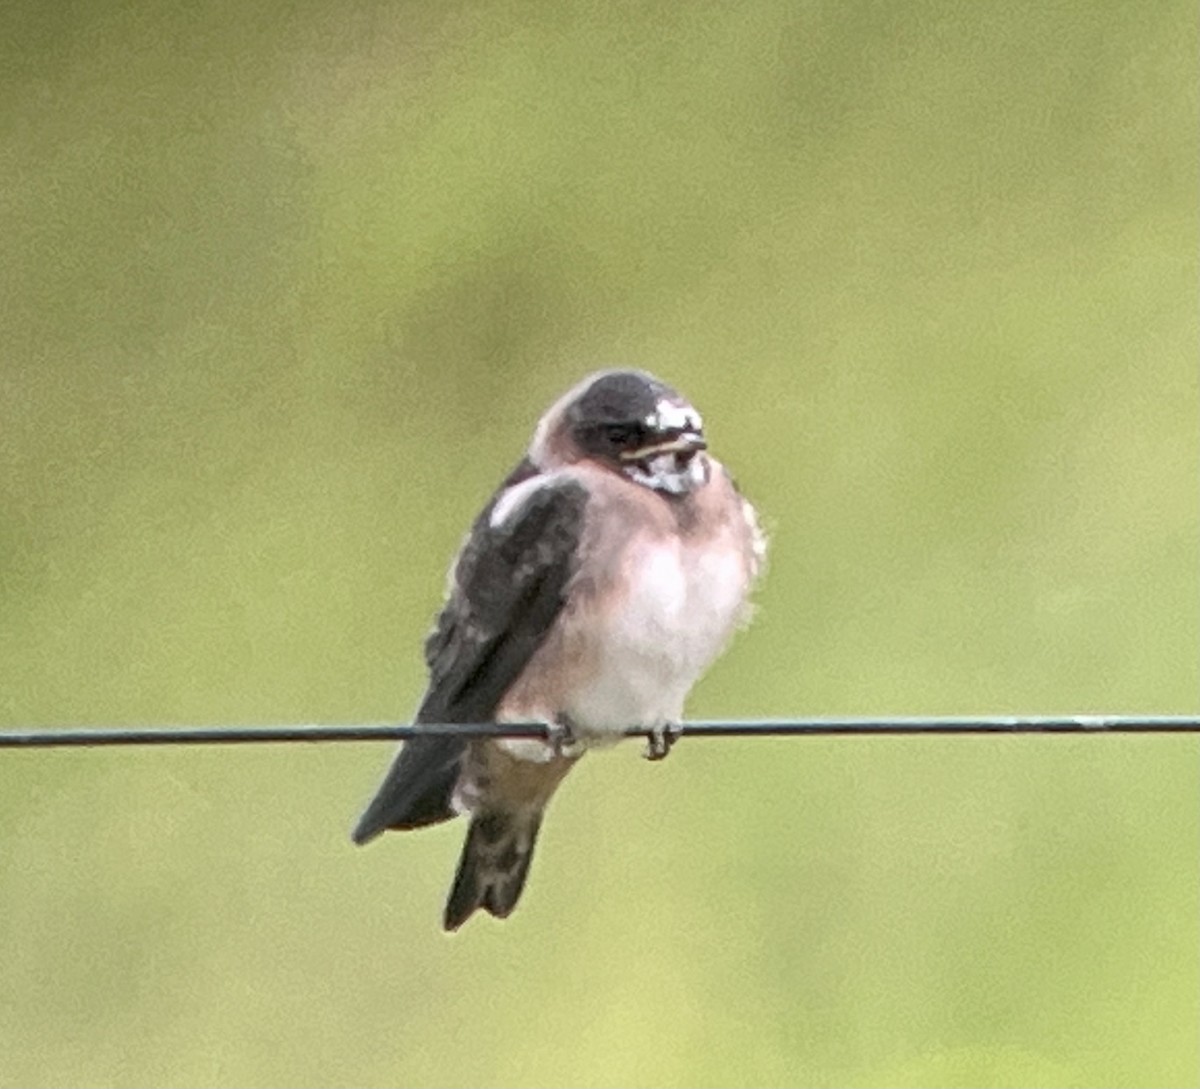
(682, 442)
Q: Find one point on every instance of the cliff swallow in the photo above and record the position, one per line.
(604, 576)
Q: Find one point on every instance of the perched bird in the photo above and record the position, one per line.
(605, 575)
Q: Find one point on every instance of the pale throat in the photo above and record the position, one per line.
(675, 472)
(672, 472)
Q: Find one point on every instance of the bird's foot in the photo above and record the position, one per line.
(662, 736)
(562, 740)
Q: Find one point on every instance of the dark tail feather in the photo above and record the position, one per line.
(494, 864)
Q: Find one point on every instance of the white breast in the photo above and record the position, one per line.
(680, 604)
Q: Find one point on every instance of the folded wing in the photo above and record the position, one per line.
(510, 584)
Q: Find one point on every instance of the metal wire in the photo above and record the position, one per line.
(88, 737)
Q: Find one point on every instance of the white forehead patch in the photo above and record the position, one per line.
(671, 416)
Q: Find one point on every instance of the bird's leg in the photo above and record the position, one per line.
(560, 736)
(662, 736)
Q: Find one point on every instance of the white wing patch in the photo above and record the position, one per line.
(514, 498)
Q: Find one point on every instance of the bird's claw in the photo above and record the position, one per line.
(562, 740)
(660, 739)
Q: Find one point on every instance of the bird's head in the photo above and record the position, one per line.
(632, 424)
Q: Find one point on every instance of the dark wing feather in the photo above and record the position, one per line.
(509, 586)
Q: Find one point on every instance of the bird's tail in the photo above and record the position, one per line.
(494, 864)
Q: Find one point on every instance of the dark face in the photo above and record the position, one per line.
(642, 428)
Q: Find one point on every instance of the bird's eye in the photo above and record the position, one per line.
(622, 434)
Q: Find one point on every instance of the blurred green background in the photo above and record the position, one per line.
(284, 289)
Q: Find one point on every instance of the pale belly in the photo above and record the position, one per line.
(680, 607)
(657, 607)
